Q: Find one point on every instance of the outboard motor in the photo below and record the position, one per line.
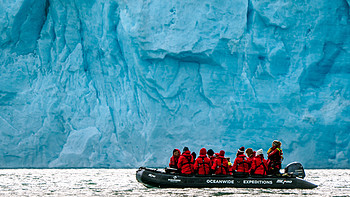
(295, 169)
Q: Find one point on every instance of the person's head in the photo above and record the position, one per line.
(228, 159)
(240, 151)
(249, 152)
(176, 152)
(222, 153)
(259, 152)
(210, 152)
(194, 155)
(276, 143)
(185, 149)
(203, 151)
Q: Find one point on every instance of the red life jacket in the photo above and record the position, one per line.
(220, 165)
(202, 164)
(174, 160)
(212, 160)
(259, 165)
(250, 161)
(186, 163)
(275, 155)
(274, 158)
(241, 164)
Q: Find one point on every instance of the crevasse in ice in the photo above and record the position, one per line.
(113, 83)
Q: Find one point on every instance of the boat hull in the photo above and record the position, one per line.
(154, 178)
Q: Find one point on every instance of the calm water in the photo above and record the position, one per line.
(122, 182)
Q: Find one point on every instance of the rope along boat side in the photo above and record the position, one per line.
(156, 178)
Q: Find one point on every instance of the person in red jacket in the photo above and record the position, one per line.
(241, 165)
(250, 156)
(202, 163)
(210, 154)
(259, 164)
(275, 157)
(185, 163)
(220, 165)
(175, 158)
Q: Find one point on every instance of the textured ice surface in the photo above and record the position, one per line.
(121, 83)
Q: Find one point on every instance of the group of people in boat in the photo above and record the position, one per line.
(246, 162)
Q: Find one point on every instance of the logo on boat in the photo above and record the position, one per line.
(284, 181)
(174, 180)
(152, 176)
(221, 181)
(263, 182)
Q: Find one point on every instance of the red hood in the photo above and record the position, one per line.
(179, 152)
(221, 156)
(222, 153)
(187, 153)
(241, 155)
(203, 152)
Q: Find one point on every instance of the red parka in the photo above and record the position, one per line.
(186, 163)
(259, 165)
(241, 164)
(220, 165)
(250, 160)
(202, 163)
(212, 160)
(275, 156)
(174, 160)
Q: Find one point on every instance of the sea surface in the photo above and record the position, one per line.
(122, 182)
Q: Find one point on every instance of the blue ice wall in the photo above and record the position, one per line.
(112, 83)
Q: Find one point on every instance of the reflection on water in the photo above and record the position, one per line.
(122, 182)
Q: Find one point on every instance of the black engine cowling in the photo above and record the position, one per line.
(295, 169)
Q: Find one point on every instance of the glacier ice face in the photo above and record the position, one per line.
(121, 83)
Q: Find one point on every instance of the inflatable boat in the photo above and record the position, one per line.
(169, 178)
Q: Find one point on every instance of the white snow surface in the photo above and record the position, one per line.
(114, 83)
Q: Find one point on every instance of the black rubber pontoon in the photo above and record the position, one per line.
(155, 178)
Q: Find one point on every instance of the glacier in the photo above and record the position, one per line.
(114, 83)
